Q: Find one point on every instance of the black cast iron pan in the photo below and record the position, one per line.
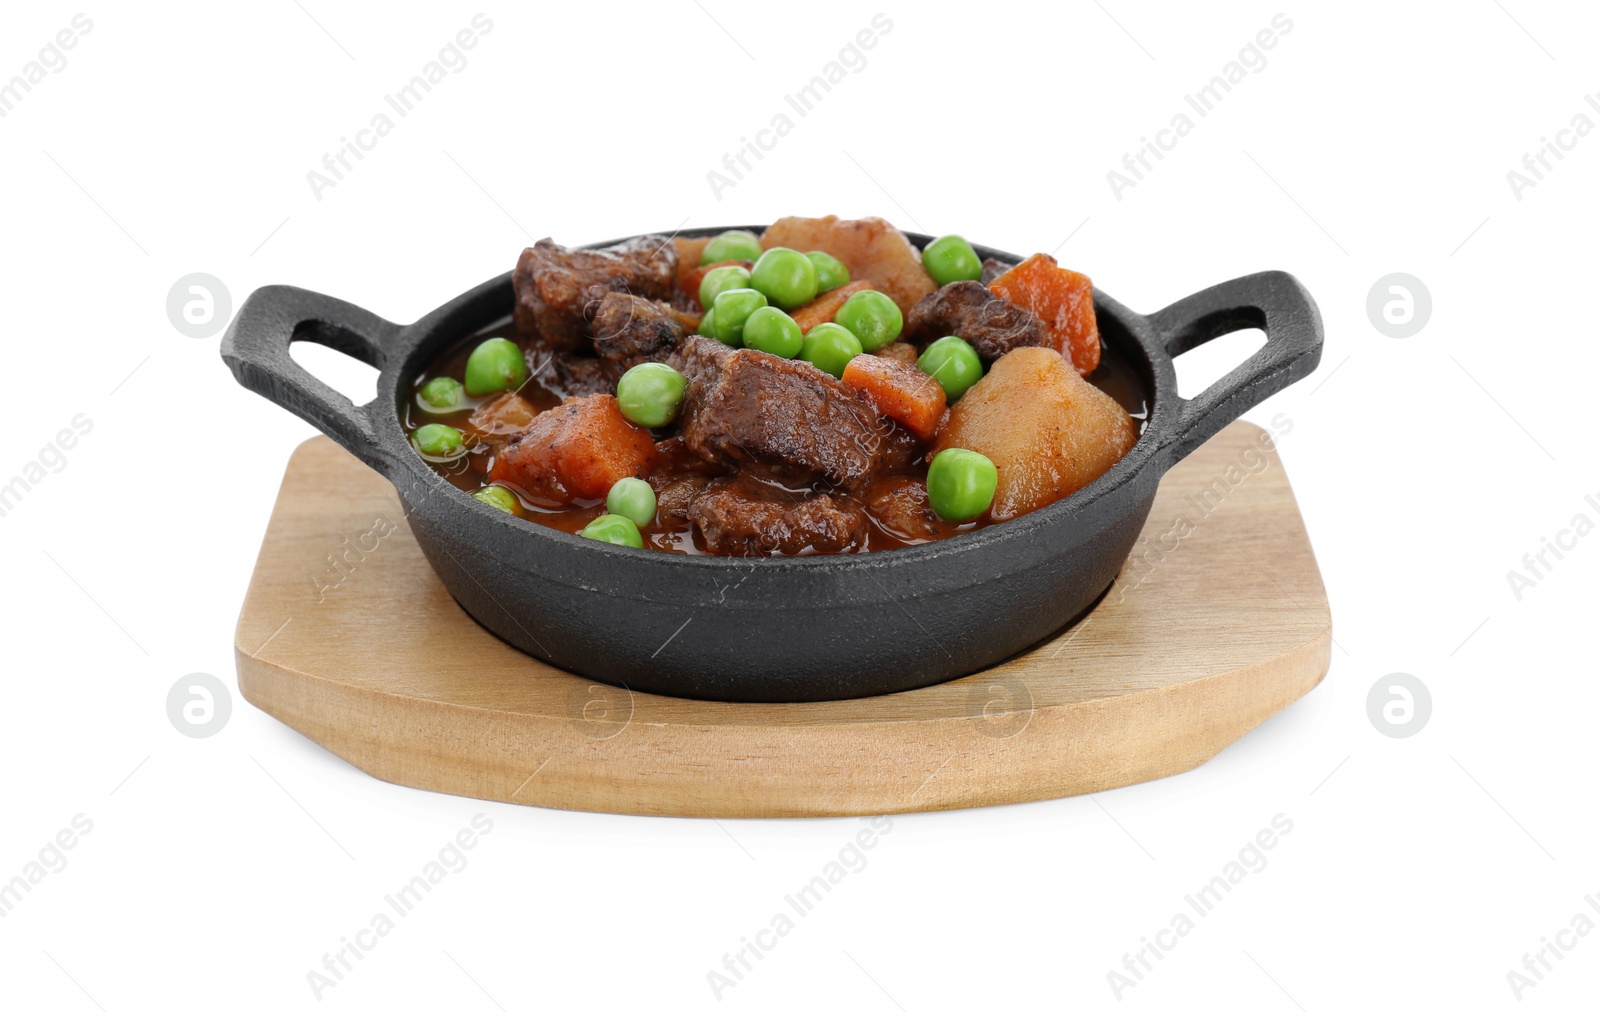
(774, 629)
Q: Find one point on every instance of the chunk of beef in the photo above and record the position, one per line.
(558, 291)
(900, 505)
(673, 457)
(576, 450)
(570, 374)
(629, 329)
(700, 359)
(676, 492)
(745, 516)
(679, 476)
(992, 269)
(902, 450)
(748, 407)
(989, 323)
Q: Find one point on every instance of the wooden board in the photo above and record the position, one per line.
(1218, 621)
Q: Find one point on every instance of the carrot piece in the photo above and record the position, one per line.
(577, 450)
(1062, 299)
(823, 308)
(899, 391)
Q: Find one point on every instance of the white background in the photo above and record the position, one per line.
(1376, 139)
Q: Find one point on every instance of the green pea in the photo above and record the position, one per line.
(706, 324)
(872, 317)
(613, 529)
(439, 441)
(721, 279)
(632, 498)
(496, 364)
(830, 348)
(440, 396)
(498, 496)
(650, 394)
(951, 258)
(772, 330)
(831, 271)
(954, 363)
(961, 484)
(786, 277)
(733, 307)
(735, 244)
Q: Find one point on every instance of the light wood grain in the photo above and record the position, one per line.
(347, 636)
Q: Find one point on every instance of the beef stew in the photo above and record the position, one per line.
(766, 453)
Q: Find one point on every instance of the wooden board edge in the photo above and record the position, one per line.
(1038, 769)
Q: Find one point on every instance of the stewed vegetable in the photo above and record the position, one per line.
(649, 394)
(632, 498)
(614, 529)
(771, 330)
(900, 391)
(734, 244)
(786, 277)
(872, 317)
(441, 395)
(961, 484)
(830, 348)
(952, 362)
(722, 279)
(951, 258)
(822, 387)
(496, 364)
(831, 271)
(733, 308)
(499, 497)
(438, 441)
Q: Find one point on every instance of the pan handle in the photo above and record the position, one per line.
(256, 348)
(1273, 301)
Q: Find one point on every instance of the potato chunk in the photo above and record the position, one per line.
(575, 451)
(1047, 429)
(498, 419)
(873, 249)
